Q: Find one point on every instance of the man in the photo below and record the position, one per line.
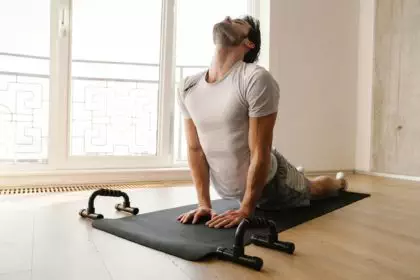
(230, 111)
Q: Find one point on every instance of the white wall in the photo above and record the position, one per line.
(314, 57)
(364, 89)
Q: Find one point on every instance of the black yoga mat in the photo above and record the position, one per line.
(161, 231)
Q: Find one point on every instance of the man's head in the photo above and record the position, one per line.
(243, 34)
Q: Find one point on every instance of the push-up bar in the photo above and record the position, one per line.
(125, 206)
(237, 252)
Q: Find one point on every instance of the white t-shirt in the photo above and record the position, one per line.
(220, 112)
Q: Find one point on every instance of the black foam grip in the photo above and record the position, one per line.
(108, 192)
(258, 222)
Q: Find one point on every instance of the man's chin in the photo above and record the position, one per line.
(225, 42)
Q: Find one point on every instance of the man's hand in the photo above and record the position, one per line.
(228, 219)
(196, 214)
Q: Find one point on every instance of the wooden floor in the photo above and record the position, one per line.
(42, 238)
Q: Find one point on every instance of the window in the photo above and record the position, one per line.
(90, 83)
(24, 81)
(115, 77)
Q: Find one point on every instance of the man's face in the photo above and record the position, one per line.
(230, 32)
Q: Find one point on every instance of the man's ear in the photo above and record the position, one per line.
(249, 44)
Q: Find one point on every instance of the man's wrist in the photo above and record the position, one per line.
(204, 206)
(247, 209)
(204, 203)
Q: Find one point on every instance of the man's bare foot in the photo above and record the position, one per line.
(301, 169)
(344, 184)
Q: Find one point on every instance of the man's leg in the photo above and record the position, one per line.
(325, 186)
(293, 188)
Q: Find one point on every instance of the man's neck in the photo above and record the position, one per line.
(223, 61)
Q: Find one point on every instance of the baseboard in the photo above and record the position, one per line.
(95, 177)
(388, 175)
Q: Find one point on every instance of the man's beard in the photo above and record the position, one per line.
(225, 35)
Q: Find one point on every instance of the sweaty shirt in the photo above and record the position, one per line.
(221, 112)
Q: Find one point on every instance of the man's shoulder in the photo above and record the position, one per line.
(252, 71)
(255, 70)
(254, 74)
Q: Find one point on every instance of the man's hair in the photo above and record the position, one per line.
(254, 36)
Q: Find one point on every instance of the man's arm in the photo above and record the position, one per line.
(260, 139)
(260, 143)
(198, 164)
